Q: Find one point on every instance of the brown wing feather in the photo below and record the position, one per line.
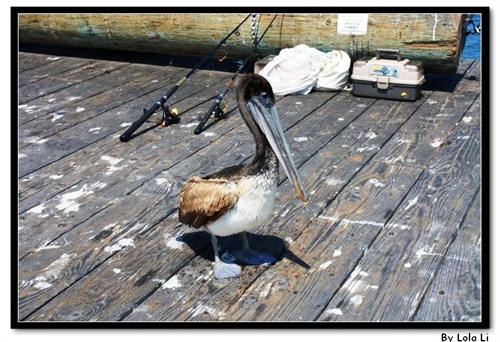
(204, 200)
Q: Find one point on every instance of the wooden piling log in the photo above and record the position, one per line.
(434, 38)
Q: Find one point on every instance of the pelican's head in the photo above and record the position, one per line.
(257, 96)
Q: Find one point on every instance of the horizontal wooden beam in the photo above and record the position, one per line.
(434, 38)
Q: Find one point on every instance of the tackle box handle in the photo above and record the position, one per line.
(396, 51)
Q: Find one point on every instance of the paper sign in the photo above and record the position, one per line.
(352, 24)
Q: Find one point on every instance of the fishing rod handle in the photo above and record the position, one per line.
(207, 115)
(147, 113)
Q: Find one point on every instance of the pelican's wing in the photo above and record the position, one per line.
(204, 200)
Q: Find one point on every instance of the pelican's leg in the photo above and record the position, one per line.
(223, 269)
(251, 257)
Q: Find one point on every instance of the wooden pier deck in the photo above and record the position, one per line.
(391, 233)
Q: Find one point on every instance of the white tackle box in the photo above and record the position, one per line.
(393, 79)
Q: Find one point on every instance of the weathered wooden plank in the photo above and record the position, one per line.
(71, 93)
(422, 136)
(50, 270)
(397, 269)
(28, 61)
(141, 82)
(451, 82)
(110, 72)
(329, 120)
(57, 65)
(456, 291)
(434, 38)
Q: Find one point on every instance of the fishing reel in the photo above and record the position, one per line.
(169, 116)
(219, 111)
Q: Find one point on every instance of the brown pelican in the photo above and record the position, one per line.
(241, 197)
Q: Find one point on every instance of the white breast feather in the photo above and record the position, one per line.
(254, 206)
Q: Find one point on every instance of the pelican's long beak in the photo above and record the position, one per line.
(264, 113)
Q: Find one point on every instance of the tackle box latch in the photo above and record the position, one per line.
(382, 82)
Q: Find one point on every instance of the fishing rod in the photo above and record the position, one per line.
(218, 108)
(171, 116)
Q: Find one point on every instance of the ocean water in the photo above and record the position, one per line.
(472, 48)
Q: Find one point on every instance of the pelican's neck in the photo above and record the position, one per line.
(264, 154)
(264, 158)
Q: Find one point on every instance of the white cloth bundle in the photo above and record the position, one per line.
(300, 69)
(334, 71)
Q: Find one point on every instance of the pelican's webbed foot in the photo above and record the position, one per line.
(224, 267)
(251, 257)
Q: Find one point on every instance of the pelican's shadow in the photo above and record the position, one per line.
(200, 243)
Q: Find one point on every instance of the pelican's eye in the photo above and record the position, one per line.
(266, 98)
